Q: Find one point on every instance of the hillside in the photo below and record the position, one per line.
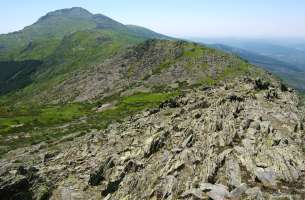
(62, 39)
(47, 32)
(94, 109)
(146, 32)
(149, 65)
(16, 74)
(243, 139)
(154, 67)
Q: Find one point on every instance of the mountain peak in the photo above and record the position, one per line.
(68, 12)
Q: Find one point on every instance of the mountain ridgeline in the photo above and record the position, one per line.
(49, 30)
(94, 109)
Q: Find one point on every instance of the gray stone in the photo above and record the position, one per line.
(216, 192)
(197, 193)
(233, 172)
(266, 176)
(237, 192)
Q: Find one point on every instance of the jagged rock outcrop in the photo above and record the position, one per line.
(227, 142)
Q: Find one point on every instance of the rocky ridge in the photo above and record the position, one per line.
(143, 67)
(241, 140)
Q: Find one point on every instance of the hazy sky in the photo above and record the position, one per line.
(188, 18)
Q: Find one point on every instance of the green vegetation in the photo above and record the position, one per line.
(193, 50)
(138, 30)
(208, 81)
(196, 61)
(162, 67)
(26, 125)
(53, 26)
(237, 69)
(23, 118)
(128, 106)
(38, 49)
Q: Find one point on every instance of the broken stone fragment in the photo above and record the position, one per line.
(154, 143)
(179, 164)
(239, 191)
(266, 176)
(233, 173)
(194, 192)
(188, 141)
(169, 187)
(265, 127)
(215, 192)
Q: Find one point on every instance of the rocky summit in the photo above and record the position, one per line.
(243, 139)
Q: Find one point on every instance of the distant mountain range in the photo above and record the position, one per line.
(284, 60)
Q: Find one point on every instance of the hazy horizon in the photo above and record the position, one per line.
(179, 18)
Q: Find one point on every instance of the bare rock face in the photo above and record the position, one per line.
(226, 142)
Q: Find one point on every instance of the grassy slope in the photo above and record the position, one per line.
(38, 42)
(76, 52)
(45, 34)
(138, 30)
(26, 125)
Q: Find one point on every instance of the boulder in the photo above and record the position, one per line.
(267, 176)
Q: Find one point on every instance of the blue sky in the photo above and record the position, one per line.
(183, 18)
